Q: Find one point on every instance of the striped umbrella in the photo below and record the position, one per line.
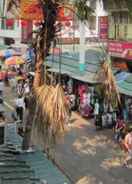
(15, 60)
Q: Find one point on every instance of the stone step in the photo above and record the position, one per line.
(17, 174)
(2, 154)
(13, 169)
(9, 151)
(10, 160)
(14, 165)
(20, 180)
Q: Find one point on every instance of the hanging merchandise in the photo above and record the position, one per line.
(67, 23)
(9, 23)
(24, 23)
(37, 23)
(70, 86)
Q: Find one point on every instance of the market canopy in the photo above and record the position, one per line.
(125, 84)
(15, 60)
(6, 53)
(70, 65)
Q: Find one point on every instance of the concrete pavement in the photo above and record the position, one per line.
(91, 157)
(87, 156)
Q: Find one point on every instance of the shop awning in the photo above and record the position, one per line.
(70, 65)
(87, 77)
(125, 85)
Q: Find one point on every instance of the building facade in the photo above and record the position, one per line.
(120, 35)
(12, 29)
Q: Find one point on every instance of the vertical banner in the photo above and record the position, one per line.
(103, 27)
(31, 10)
(27, 28)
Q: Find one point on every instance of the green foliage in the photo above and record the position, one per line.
(129, 6)
(83, 10)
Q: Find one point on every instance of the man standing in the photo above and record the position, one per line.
(128, 147)
(1, 81)
(20, 106)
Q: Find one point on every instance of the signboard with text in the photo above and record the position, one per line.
(103, 27)
(120, 49)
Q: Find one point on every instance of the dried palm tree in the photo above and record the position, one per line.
(108, 81)
(51, 111)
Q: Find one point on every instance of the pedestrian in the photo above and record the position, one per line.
(97, 115)
(109, 120)
(6, 78)
(104, 120)
(26, 88)
(20, 88)
(119, 130)
(20, 106)
(128, 148)
(1, 81)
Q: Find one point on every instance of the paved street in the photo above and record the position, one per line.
(90, 157)
(87, 156)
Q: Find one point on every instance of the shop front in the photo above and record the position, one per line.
(121, 53)
(124, 81)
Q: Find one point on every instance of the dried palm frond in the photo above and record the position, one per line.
(106, 77)
(51, 114)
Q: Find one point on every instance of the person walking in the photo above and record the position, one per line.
(26, 88)
(128, 148)
(20, 106)
(20, 88)
(97, 116)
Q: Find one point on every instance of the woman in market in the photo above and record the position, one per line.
(97, 115)
(20, 106)
(120, 129)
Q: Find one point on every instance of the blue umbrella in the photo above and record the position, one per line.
(7, 53)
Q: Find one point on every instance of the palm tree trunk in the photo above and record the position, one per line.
(42, 45)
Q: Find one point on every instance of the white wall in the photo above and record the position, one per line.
(15, 33)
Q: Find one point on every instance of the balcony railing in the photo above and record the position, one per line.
(120, 31)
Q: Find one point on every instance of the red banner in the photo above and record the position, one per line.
(103, 27)
(120, 49)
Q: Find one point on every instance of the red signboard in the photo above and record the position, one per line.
(31, 10)
(120, 49)
(103, 27)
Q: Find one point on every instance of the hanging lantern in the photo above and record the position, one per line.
(67, 23)
(9, 22)
(24, 23)
(37, 23)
